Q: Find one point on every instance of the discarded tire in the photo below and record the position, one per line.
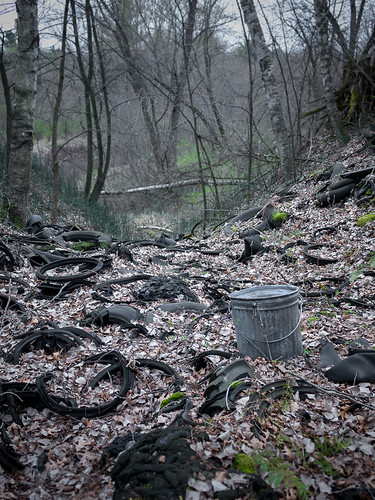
(337, 192)
(95, 266)
(313, 259)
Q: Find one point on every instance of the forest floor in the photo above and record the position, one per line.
(315, 442)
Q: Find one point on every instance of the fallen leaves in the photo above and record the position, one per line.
(73, 448)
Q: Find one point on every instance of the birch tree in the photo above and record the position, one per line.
(264, 60)
(18, 173)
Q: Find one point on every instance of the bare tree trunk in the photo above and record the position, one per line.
(270, 88)
(56, 113)
(137, 81)
(96, 135)
(207, 34)
(8, 102)
(21, 146)
(320, 7)
(86, 77)
(250, 100)
(179, 80)
(349, 48)
(105, 156)
(172, 185)
(194, 125)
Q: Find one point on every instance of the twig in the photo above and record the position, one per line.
(7, 304)
(331, 392)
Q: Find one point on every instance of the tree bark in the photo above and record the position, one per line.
(55, 121)
(172, 185)
(8, 102)
(270, 88)
(321, 17)
(21, 145)
(104, 156)
(180, 79)
(86, 77)
(207, 34)
(136, 78)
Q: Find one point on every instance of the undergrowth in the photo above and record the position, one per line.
(283, 473)
(280, 472)
(72, 205)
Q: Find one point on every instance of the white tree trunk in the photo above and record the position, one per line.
(21, 144)
(263, 58)
(172, 185)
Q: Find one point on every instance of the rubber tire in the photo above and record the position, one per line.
(97, 265)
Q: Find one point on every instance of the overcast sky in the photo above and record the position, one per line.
(8, 13)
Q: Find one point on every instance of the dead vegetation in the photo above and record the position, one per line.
(315, 443)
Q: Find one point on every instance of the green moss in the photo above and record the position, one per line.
(87, 245)
(235, 384)
(353, 103)
(174, 397)
(279, 216)
(362, 221)
(244, 463)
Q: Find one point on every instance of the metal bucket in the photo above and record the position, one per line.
(267, 320)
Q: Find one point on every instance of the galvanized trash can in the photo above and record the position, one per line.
(267, 320)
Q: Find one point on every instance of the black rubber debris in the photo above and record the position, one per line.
(253, 245)
(165, 287)
(354, 369)
(200, 361)
(86, 266)
(8, 302)
(173, 307)
(313, 259)
(226, 383)
(7, 260)
(157, 466)
(49, 340)
(54, 404)
(336, 192)
(59, 290)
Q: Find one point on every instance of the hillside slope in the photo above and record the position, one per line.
(306, 435)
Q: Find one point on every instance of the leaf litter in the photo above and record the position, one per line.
(61, 455)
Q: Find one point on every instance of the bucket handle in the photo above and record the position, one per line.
(229, 387)
(294, 329)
